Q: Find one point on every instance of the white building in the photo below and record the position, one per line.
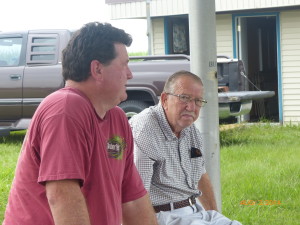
(265, 34)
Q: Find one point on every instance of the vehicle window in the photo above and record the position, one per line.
(44, 40)
(43, 57)
(10, 51)
(43, 49)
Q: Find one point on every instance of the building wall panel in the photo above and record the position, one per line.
(229, 5)
(128, 10)
(291, 66)
(292, 74)
(290, 56)
(293, 119)
(291, 50)
(291, 81)
(175, 7)
(289, 91)
(292, 116)
(224, 35)
(289, 69)
(292, 108)
(158, 36)
(293, 97)
(292, 103)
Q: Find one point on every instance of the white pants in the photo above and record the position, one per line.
(193, 215)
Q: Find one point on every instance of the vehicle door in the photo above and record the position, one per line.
(12, 60)
(43, 68)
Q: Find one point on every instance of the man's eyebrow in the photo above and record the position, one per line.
(196, 98)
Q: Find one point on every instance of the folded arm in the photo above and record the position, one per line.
(139, 212)
(207, 198)
(67, 202)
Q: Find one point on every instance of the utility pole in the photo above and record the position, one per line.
(149, 29)
(202, 26)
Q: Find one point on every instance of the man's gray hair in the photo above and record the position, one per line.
(169, 85)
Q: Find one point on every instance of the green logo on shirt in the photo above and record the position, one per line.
(115, 147)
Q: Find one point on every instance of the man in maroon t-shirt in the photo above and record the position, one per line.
(76, 163)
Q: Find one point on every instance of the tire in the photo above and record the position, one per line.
(133, 107)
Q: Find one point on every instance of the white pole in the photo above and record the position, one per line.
(202, 26)
(149, 27)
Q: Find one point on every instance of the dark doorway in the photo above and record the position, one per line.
(261, 56)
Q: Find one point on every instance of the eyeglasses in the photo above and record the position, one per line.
(186, 99)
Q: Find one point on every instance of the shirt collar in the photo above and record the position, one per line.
(164, 124)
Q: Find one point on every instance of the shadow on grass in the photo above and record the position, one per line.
(14, 137)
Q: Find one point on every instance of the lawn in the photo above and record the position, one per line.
(9, 151)
(260, 173)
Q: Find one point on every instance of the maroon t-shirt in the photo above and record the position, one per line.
(67, 140)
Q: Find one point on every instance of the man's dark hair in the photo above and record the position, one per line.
(94, 41)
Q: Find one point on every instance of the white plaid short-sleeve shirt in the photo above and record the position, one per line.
(169, 169)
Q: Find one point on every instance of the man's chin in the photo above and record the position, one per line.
(123, 98)
(187, 123)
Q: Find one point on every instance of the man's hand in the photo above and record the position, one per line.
(207, 198)
(67, 202)
(139, 212)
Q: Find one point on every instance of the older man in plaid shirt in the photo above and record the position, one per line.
(169, 155)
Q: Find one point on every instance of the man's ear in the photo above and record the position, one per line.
(163, 99)
(96, 70)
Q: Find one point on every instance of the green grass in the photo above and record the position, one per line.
(261, 162)
(138, 53)
(258, 162)
(9, 150)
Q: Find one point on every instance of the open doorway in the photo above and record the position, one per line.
(256, 44)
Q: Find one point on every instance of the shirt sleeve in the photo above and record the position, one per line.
(132, 186)
(64, 150)
(144, 149)
(144, 165)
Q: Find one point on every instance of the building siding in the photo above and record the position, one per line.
(168, 7)
(290, 60)
(157, 8)
(128, 10)
(177, 7)
(158, 36)
(224, 35)
(232, 5)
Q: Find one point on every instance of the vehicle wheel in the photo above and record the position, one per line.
(133, 107)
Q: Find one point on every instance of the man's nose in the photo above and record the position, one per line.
(191, 105)
(129, 74)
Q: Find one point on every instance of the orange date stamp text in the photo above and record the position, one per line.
(260, 202)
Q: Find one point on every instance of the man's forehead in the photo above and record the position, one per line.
(185, 83)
